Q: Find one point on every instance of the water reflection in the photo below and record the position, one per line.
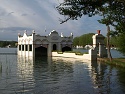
(105, 79)
(121, 78)
(7, 74)
(26, 80)
(55, 75)
(51, 76)
(101, 77)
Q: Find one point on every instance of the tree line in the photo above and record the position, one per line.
(8, 43)
(86, 39)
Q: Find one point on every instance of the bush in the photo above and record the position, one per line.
(59, 52)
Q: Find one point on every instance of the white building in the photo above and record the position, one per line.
(98, 44)
(36, 45)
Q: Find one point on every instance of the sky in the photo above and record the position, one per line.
(16, 16)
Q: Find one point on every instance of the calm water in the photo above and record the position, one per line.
(115, 53)
(58, 76)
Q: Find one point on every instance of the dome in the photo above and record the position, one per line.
(54, 31)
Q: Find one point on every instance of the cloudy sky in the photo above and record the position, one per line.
(19, 15)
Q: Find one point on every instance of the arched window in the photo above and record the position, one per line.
(66, 48)
(54, 47)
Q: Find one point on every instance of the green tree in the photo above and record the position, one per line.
(121, 43)
(111, 10)
(76, 41)
(6, 43)
(72, 9)
(85, 39)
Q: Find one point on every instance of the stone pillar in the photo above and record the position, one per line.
(93, 54)
(49, 51)
(18, 49)
(100, 50)
(25, 49)
(59, 46)
(33, 49)
(28, 49)
(33, 43)
(94, 41)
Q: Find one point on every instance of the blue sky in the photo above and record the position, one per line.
(19, 15)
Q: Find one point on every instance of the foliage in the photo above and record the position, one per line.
(76, 41)
(59, 52)
(113, 12)
(121, 43)
(6, 43)
(76, 52)
(114, 41)
(79, 53)
(83, 40)
(72, 9)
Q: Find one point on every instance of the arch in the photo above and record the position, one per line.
(69, 41)
(54, 47)
(45, 41)
(40, 51)
(63, 41)
(66, 48)
(38, 41)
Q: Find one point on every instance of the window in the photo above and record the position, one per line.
(19, 47)
(30, 47)
(22, 47)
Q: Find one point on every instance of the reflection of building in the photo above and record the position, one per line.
(43, 45)
(25, 72)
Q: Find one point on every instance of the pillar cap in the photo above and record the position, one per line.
(98, 31)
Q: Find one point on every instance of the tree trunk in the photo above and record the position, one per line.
(108, 44)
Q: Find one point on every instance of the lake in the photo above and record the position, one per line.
(54, 75)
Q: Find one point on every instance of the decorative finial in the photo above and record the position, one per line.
(19, 34)
(61, 34)
(71, 34)
(33, 31)
(25, 31)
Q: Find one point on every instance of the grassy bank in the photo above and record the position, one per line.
(120, 62)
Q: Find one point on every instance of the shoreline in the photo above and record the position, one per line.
(118, 62)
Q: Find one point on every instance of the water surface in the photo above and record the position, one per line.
(58, 76)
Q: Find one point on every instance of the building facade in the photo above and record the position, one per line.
(36, 45)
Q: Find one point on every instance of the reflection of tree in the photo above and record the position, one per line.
(121, 77)
(101, 77)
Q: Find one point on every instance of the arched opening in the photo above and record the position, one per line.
(66, 48)
(54, 47)
(40, 51)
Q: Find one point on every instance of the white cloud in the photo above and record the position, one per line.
(38, 14)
